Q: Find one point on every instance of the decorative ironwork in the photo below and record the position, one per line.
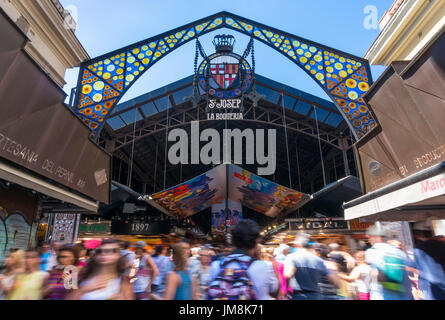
(230, 74)
(104, 80)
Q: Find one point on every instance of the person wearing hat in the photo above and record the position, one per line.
(390, 278)
(146, 273)
(429, 262)
(308, 271)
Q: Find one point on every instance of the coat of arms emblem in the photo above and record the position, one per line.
(225, 74)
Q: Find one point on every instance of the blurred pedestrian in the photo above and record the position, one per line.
(429, 261)
(147, 272)
(328, 290)
(14, 265)
(194, 263)
(205, 274)
(52, 260)
(80, 252)
(55, 287)
(180, 284)
(266, 254)
(361, 276)
(129, 257)
(104, 276)
(337, 250)
(164, 265)
(45, 254)
(307, 269)
(29, 285)
(256, 278)
(281, 253)
(342, 270)
(389, 267)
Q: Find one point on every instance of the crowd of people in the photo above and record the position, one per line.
(246, 270)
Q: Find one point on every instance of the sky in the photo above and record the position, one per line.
(107, 25)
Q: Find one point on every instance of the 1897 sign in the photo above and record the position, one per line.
(141, 228)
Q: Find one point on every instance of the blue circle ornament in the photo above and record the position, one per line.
(224, 75)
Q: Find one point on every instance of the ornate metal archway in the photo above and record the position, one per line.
(103, 81)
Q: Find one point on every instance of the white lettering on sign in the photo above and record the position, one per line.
(24, 153)
(225, 104)
(434, 185)
(17, 150)
(218, 107)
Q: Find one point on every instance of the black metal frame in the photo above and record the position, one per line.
(224, 16)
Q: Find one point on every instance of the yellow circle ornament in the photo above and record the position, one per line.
(363, 86)
(353, 95)
(87, 89)
(351, 83)
(97, 97)
(99, 85)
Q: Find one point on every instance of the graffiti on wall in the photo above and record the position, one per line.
(15, 232)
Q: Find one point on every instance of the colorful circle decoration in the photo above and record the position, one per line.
(215, 71)
(87, 89)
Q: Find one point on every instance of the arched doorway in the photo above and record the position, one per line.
(103, 81)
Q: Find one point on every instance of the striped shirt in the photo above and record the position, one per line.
(55, 284)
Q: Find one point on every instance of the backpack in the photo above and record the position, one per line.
(394, 267)
(232, 283)
(393, 272)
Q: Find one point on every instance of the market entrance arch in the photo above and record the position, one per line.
(104, 80)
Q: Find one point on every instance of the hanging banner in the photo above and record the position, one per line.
(192, 196)
(66, 226)
(262, 195)
(226, 215)
(219, 217)
(234, 213)
(210, 189)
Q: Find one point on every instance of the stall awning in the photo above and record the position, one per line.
(417, 197)
(32, 182)
(329, 200)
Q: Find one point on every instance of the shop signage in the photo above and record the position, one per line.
(356, 225)
(141, 228)
(277, 229)
(411, 136)
(95, 228)
(317, 224)
(217, 109)
(416, 192)
(38, 132)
